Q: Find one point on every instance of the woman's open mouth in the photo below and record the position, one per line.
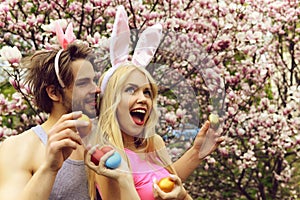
(138, 116)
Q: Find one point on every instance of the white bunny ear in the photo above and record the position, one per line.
(120, 37)
(147, 45)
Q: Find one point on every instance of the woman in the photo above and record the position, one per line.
(127, 121)
(128, 117)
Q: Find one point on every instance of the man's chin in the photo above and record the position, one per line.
(91, 114)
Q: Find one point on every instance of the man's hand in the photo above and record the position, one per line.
(63, 138)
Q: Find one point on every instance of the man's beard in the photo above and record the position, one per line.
(67, 103)
(76, 105)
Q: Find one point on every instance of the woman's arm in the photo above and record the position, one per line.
(122, 188)
(178, 192)
(205, 143)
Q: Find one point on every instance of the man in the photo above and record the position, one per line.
(47, 162)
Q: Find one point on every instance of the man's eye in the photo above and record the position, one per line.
(80, 83)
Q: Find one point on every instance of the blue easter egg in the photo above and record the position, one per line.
(113, 161)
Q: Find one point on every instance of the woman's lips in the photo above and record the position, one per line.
(138, 116)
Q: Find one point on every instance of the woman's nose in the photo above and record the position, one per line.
(141, 98)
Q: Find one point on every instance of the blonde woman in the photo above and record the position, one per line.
(128, 117)
(127, 122)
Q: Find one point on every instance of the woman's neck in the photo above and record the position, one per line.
(133, 143)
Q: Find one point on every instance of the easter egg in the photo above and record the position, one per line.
(113, 161)
(166, 184)
(214, 119)
(106, 149)
(96, 156)
(84, 130)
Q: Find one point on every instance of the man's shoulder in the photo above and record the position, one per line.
(19, 142)
(20, 157)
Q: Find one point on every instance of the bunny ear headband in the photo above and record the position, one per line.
(119, 45)
(64, 40)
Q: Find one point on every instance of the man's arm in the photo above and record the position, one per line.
(16, 179)
(204, 144)
(40, 185)
(27, 169)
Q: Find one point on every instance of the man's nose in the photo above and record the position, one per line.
(96, 89)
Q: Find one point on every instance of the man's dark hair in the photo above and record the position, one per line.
(41, 72)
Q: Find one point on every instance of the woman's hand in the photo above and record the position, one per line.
(178, 192)
(206, 141)
(101, 168)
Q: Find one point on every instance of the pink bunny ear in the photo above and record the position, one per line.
(120, 37)
(69, 34)
(59, 33)
(147, 45)
(64, 39)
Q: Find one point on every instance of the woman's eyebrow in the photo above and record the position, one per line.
(132, 84)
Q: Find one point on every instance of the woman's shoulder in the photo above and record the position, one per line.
(158, 140)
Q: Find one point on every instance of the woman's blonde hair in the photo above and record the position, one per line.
(108, 129)
(108, 123)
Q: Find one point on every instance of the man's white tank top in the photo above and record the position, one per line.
(71, 181)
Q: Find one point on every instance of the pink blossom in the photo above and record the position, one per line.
(44, 6)
(241, 132)
(171, 118)
(253, 141)
(4, 7)
(31, 20)
(88, 7)
(7, 36)
(206, 166)
(11, 54)
(180, 112)
(223, 151)
(51, 27)
(211, 160)
(99, 20)
(13, 82)
(231, 111)
(40, 19)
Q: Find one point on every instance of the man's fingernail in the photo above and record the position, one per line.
(85, 123)
(77, 112)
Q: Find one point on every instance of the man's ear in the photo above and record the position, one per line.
(53, 93)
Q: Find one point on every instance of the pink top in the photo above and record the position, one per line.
(143, 174)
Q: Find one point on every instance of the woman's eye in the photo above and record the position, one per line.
(130, 90)
(148, 93)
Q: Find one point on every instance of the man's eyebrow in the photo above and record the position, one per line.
(82, 79)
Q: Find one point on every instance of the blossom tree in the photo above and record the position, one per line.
(238, 59)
